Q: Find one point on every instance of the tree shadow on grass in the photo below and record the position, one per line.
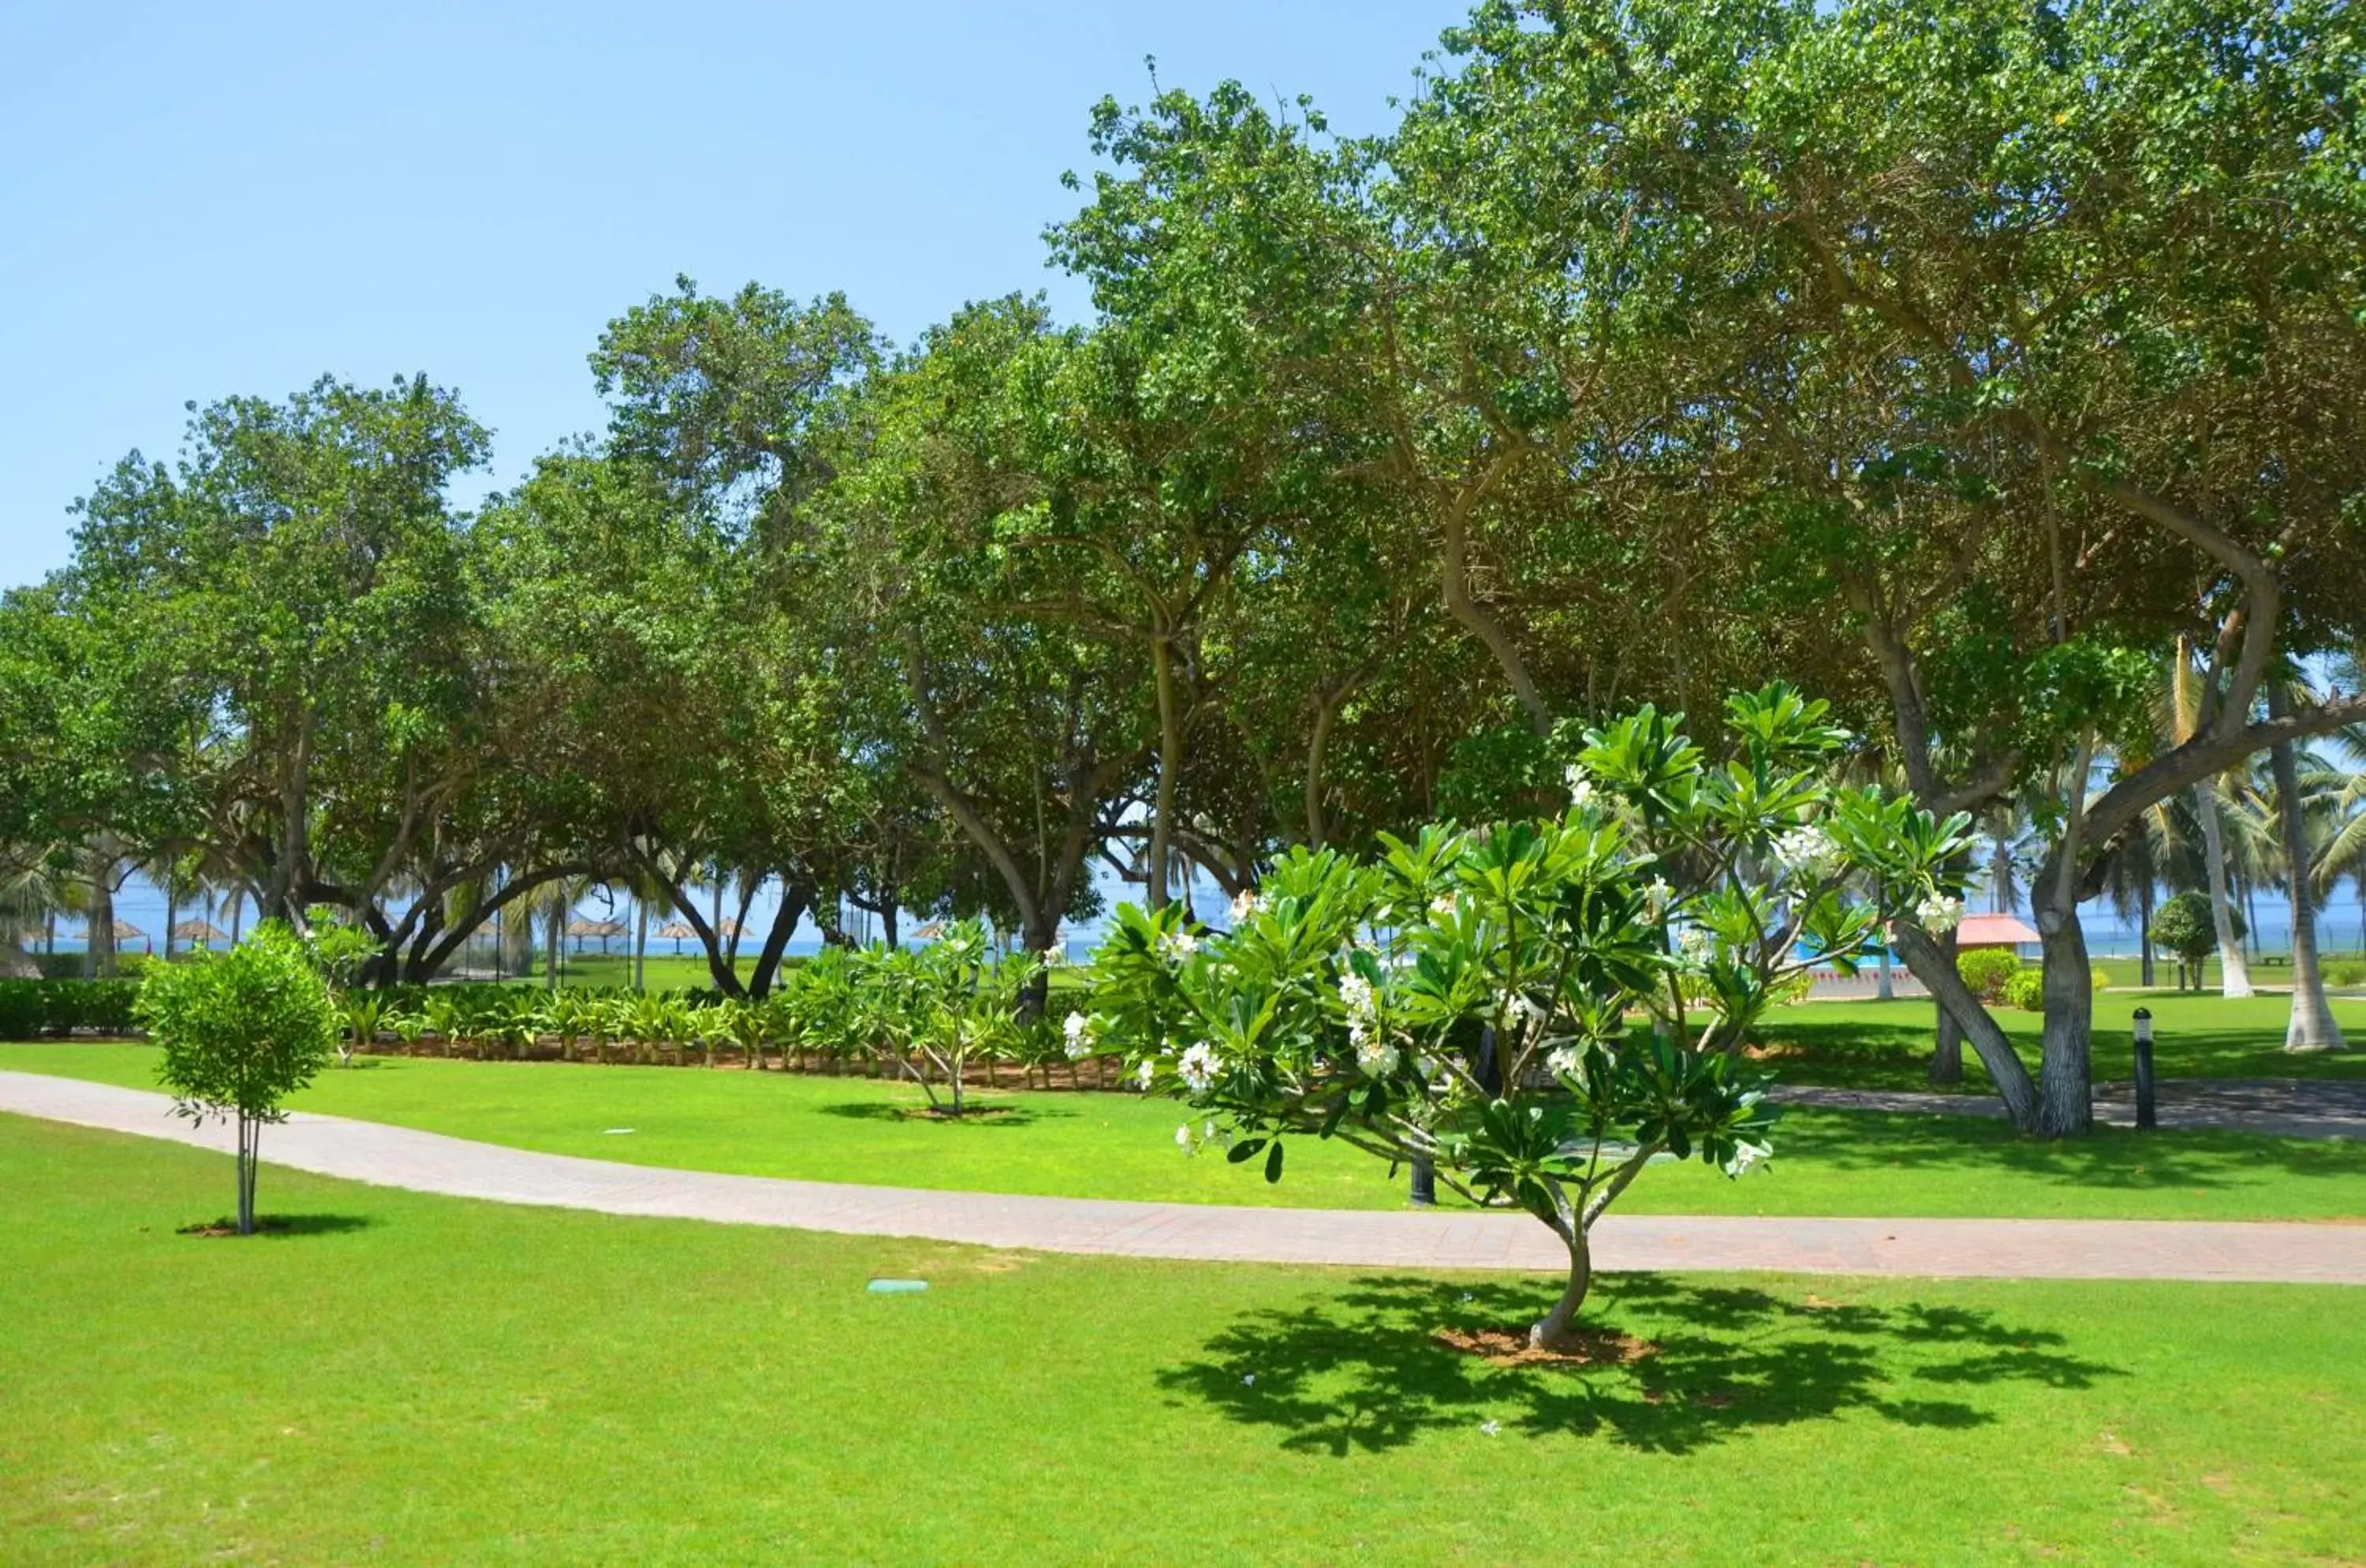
(977, 1116)
(1363, 1372)
(283, 1225)
(2110, 1158)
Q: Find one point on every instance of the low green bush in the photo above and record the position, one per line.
(68, 965)
(23, 1014)
(1988, 971)
(61, 1006)
(2026, 991)
(2352, 973)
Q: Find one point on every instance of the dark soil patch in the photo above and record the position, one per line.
(279, 1225)
(1586, 1348)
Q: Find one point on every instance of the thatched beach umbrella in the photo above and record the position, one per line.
(676, 930)
(126, 931)
(202, 933)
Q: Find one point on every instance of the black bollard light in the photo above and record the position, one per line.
(1424, 1185)
(2145, 1117)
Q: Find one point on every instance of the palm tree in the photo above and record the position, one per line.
(2189, 703)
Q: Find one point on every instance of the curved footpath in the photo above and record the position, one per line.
(429, 1162)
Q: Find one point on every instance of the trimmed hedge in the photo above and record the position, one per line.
(28, 1008)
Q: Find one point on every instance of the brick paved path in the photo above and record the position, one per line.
(429, 1162)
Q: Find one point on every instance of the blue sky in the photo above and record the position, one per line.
(202, 201)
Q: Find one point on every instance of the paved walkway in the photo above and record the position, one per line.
(2280, 1108)
(429, 1162)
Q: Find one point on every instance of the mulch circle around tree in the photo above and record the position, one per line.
(230, 1227)
(1588, 1347)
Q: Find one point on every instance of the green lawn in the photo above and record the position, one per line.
(1888, 1044)
(403, 1379)
(1120, 1145)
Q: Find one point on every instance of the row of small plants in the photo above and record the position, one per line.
(929, 1013)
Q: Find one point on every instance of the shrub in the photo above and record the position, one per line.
(2026, 991)
(1988, 971)
(24, 1013)
(2349, 973)
(240, 1031)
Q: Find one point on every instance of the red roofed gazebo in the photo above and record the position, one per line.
(1994, 931)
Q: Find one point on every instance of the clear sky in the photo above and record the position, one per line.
(197, 200)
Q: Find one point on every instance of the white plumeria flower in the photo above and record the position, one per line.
(1355, 996)
(1148, 1074)
(1183, 1136)
(1442, 905)
(1491, 1427)
(1078, 1030)
(1178, 945)
(1248, 1380)
(1196, 1067)
(1657, 896)
(1809, 853)
(1580, 788)
(1563, 1060)
(1939, 913)
(1517, 1004)
(1245, 903)
(1378, 1058)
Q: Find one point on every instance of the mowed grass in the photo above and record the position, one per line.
(1873, 1044)
(404, 1379)
(1123, 1145)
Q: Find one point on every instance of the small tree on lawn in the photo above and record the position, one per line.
(2186, 926)
(240, 1032)
(1465, 999)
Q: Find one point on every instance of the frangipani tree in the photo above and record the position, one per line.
(1467, 998)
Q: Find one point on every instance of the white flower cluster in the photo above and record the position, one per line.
(1442, 905)
(1657, 897)
(1178, 945)
(1518, 1006)
(1079, 1031)
(1939, 913)
(1245, 904)
(1580, 788)
(1377, 1057)
(1196, 1067)
(1809, 853)
(1147, 1075)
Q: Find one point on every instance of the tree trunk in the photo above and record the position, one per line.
(2066, 1098)
(1170, 763)
(640, 942)
(1939, 977)
(1947, 1048)
(2234, 970)
(1882, 989)
(558, 934)
(98, 945)
(2144, 934)
(249, 1132)
(2312, 1027)
(1551, 1331)
(172, 914)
